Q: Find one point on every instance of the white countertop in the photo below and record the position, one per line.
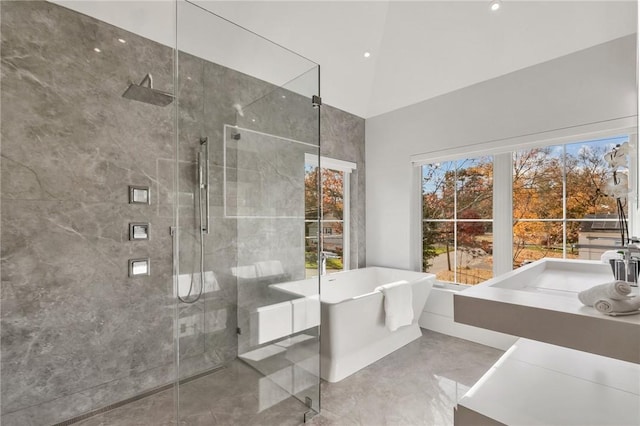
(554, 289)
(536, 383)
(540, 301)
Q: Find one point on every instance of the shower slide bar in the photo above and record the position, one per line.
(204, 180)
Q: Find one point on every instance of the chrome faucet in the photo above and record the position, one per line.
(630, 265)
(324, 255)
(625, 269)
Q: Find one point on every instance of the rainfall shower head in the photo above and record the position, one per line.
(146, 93)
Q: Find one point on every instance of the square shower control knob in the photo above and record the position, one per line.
(139, 267)
(138, 231)
(139, 195)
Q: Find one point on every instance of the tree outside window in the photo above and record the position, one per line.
(557, 204)
(557, 196)
(457, 219)
(331, 217)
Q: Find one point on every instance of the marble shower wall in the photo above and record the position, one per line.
(77, 333)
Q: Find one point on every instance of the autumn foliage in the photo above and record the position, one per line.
(553, 189)
(329, 208)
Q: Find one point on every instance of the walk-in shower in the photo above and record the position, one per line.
(199, 336)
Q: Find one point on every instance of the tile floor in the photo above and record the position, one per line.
(417, 385)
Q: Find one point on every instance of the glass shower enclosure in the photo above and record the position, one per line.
(246, 127)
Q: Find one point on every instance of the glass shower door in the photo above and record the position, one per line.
(278, 307)
(247, 320)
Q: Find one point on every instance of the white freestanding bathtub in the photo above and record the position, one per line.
(353, 332)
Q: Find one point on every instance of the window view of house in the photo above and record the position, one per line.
(559, 205)
(332, 221)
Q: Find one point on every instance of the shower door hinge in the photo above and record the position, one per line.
(172, 231)
(309, 415)
(238, 330)
(316, 101)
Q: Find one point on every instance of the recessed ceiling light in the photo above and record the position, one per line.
(367, 54)
(495, 5)
(121, 40)
(95, 49)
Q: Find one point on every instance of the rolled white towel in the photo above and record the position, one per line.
(613, 307)
(615, 290)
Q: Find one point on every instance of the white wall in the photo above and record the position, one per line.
(593, 85)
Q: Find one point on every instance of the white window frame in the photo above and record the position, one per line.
(502, 152)
(347, 167)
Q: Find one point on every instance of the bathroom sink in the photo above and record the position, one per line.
(555, 277)
(539, 301)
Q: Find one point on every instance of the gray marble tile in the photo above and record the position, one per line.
(418, 384)
(72, 405)
(77, 333)
(158, 409)
(407, 387)
(77, 113)
(342, 137)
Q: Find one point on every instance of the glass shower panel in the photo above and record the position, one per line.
(274, 143)
(247, 350)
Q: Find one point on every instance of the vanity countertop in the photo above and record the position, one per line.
(536, 383)
(539, 301)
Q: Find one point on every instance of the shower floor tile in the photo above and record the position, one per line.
(416, 385)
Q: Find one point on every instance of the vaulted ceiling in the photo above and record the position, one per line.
(419, 49)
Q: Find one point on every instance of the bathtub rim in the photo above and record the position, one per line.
(324, 279)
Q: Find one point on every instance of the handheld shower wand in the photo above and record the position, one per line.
(203, 213)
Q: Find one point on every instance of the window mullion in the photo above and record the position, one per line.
(346, 221)
(564, 201)
(455, 224)
(502, 213)
(633, 200)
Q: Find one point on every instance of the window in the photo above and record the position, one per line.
(457, 209)
(557, 201)
(334, 179)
